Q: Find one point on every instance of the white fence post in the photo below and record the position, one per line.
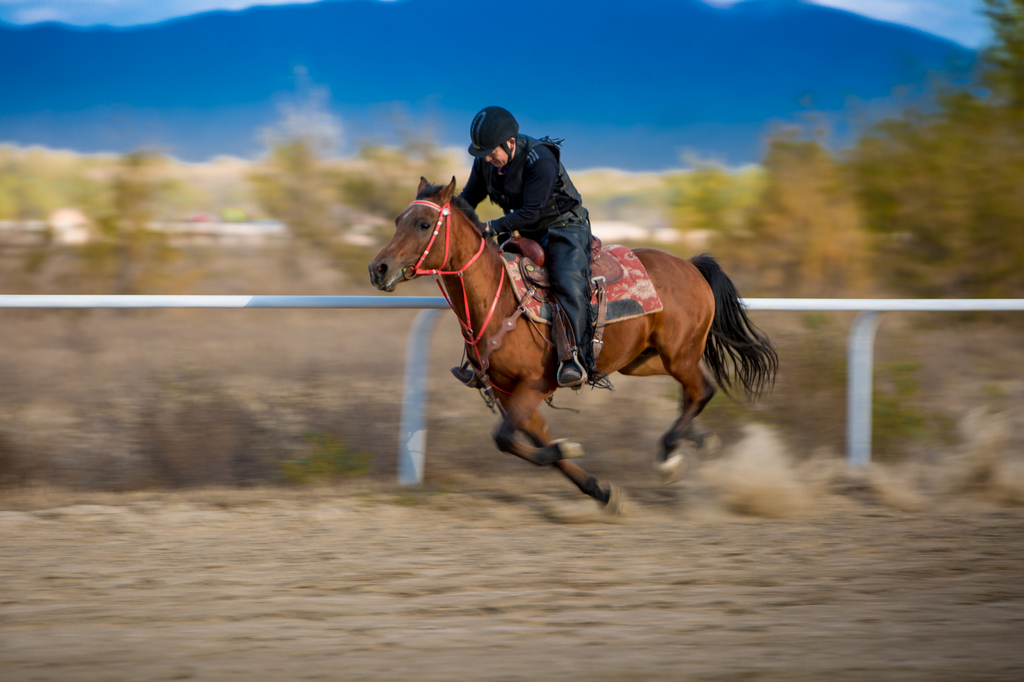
(412, 435)
(860, 353)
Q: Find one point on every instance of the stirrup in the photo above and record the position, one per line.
(467, 375)
(571, 373)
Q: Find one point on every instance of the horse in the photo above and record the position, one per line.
(701, 318)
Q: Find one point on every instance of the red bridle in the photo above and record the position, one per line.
(445, 218)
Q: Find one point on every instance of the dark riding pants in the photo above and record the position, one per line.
(568, 262)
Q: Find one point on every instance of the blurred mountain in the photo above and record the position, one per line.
(629, 85)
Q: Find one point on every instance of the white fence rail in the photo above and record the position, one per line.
(860, 347)
(412, 437)
(142, 301)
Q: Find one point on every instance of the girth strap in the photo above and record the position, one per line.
(602, 316)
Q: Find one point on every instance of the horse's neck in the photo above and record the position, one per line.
(480, 282)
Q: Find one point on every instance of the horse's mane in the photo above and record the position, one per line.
(457, 201)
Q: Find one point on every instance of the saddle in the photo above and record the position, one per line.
(620, 288)
(606, 270)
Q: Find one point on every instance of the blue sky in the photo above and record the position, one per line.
(958, 20)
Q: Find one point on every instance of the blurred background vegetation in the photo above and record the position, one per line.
(925, 204)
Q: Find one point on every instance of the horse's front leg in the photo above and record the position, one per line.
(521, 416)
(610, 497)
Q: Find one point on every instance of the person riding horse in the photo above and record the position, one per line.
(525, 177)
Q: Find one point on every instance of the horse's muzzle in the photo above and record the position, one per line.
(384, 277)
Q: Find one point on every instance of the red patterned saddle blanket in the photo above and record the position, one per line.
(627, 288)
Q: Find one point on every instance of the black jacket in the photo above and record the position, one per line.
(534, 189)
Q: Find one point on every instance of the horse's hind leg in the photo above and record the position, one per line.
(687, 427)
(697, 391)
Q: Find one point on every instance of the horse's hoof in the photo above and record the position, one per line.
(616, 501)
(567, 449)
(672, 469)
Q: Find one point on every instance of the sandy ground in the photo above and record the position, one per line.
(522, 581)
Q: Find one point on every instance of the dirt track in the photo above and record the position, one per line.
(527, 584)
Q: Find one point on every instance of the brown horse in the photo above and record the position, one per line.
(440, 235)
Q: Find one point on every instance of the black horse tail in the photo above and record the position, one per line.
(734, 341)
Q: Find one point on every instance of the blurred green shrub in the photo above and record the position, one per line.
(710, 196)
(895, 420)
(328, 458)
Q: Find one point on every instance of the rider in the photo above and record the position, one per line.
(525, 177)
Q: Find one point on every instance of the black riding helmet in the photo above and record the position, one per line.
(490, 129)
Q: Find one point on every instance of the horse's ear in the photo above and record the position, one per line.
(447, 193)
(423, 183)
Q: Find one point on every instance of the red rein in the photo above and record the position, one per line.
(445, 218)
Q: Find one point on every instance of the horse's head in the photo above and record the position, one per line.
(416, 244)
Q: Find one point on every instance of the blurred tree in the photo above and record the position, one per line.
(11, 182)
(130, 255)
(942, 186)
(805, 236)
(944, 195)
(35, 181)
(383, 180)
(294, 186)
(1005, 57)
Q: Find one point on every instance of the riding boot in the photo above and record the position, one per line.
(568, 252)
(467, 375)
(576, 366)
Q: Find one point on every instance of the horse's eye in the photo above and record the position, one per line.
(424, 226)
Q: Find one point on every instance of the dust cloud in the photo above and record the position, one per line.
(760, 476)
